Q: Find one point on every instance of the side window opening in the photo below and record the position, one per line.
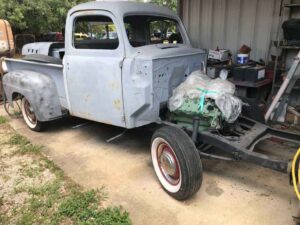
(95, 32)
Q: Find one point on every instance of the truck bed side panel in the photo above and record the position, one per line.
(55, 72)
(39, 89)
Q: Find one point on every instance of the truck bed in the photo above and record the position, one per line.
(54, 71)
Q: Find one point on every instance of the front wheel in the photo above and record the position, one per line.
(176, 162)
(29, 116)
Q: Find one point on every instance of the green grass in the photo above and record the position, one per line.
(17, 139)
(20, 188)
(3, 119)
(58, 200)
(23, 145)
(31, 172)
(83, 208)
(3, 219)
(1, 201)
(50, 188)
(30, 148)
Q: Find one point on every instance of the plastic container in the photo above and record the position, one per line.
(242, 58)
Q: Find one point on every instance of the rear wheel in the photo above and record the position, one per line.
(29, 116)
(176, 162)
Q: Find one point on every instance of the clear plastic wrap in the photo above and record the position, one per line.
(230, 106)
(200, 86)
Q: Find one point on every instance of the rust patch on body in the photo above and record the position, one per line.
(117, 104)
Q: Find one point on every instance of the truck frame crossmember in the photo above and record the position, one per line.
(242, 141)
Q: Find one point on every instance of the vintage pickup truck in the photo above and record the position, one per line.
(119, 65)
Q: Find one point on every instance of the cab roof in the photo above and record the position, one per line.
(123, 8)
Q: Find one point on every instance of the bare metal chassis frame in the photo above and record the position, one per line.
(240, 144)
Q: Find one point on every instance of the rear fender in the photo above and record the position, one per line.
(39, 89)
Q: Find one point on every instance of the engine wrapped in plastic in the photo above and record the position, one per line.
(210, 99)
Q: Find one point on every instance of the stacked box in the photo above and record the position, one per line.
(254, 74)
(239, 73)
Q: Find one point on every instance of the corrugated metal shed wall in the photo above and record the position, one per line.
(232, 23)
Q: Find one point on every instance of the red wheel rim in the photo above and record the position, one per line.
(29, 112)
(168, 163)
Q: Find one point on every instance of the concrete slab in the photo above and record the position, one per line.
(232, 193)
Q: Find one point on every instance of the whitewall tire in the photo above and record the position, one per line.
(29, 116)
(176, 162)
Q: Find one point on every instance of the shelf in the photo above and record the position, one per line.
(289, 47)
(292, 5)
(251, 84)
(284, 44)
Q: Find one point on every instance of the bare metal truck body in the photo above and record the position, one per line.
(126, 86)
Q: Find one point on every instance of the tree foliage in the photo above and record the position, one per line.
(36, 16)
(171, 4)
(41, 16)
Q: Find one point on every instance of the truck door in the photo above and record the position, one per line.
(94, 55)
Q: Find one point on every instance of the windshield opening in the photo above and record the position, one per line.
(147, 30)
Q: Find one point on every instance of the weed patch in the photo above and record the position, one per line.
(31, 171)
(23, 145)
(3, 119)
(83, 208)
(17, 139)
(28, 148)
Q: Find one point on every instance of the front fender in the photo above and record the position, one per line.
(39, 89)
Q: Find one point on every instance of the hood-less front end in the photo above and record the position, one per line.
(151, 75)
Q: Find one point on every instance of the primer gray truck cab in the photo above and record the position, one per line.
(124, 84)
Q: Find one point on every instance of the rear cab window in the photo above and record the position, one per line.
(147, 29)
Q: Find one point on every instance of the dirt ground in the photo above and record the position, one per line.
(231, 193)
